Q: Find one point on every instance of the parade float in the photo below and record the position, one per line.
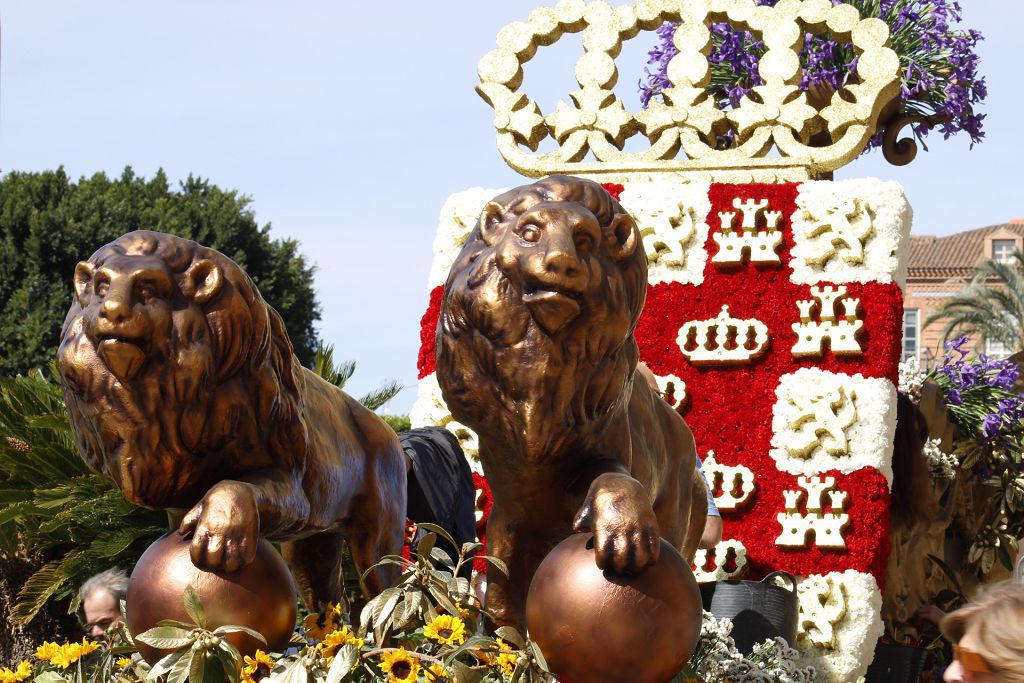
(771, 320)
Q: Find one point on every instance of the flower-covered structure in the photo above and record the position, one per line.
(773, 317)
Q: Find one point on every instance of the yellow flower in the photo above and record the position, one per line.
(123, 662)
(46, 651)
(399, 666)
(446, 629)
(23, 671)
(436, 672)
(67, 654)
(506, 659)
(319, 625)
(258, 667)
(335, 639)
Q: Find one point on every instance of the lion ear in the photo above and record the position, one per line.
(490, 223)
(202, 281)
(620, 237)
(83, 281)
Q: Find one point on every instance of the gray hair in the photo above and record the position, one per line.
(113, 581)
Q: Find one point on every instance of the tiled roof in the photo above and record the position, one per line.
(959, 252)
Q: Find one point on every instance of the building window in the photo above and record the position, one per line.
(1002, 250)
(997, 349)
(910, 332)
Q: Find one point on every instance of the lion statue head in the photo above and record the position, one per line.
(539, 311)
(175, 370)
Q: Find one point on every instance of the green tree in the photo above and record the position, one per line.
(991, 307)
(49, 223)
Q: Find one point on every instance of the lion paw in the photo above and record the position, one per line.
(225, 528)
(618, 512)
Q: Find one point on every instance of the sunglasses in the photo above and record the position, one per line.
(971, 662)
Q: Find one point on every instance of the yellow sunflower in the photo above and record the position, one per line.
(506, 658)
(335, 639)
(436, 672)
(258, 667)
(123, 662)
(399, 666)
(319, 625)
(446, 629)
(20, 673)
(46, 651)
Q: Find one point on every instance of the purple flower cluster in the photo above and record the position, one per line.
(982, 389)
(940, 63)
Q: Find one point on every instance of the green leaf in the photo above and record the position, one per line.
(439, 531)
(442, 599)
(164, 666)
(426, 544)
(441, 556)
(466, 674)
(179, 672)
(49, 677)
(539, 656)
(221, 630)
(194, 607)
(511, 635)
(294, 672)
(165, 637)
(197, 668)
(344, 661)
(499, 564)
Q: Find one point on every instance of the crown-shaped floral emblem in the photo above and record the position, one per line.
(723, 340)
(687, 131)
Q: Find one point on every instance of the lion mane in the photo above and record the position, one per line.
(212, 347)
(488, 338)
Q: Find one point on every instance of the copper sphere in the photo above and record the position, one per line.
(260, 595)
(599, 627)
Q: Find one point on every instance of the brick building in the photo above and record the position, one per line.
(939, 267)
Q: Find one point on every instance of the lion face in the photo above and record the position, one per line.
(169, 358)
(127, 306)
(549, 287)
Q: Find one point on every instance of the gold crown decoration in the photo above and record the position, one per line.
(737, 483)
(773, 125)
(827, 526)
(748, 242)
(723, 340)
(841, 334)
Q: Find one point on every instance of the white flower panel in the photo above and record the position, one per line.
(672, 218)
(850, 231)
(825, 421)
(840, 621)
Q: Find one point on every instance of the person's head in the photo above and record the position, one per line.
(989, 637)
(101, 597)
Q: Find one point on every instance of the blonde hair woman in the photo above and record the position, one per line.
(988, 637)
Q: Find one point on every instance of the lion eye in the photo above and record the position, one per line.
(102, 288)
(530, 233)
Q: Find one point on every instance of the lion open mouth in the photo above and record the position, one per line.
(123, 355)
(552, 309)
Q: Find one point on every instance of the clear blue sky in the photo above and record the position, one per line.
(348, 129)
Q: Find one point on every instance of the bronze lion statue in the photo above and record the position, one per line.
(183, 389)
(535, 351)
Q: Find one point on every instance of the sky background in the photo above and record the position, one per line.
(348, 125)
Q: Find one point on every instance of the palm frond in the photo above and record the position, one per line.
(323, 365)
(990, 307)
(378, 397)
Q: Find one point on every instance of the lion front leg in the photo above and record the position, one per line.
(522, 552)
